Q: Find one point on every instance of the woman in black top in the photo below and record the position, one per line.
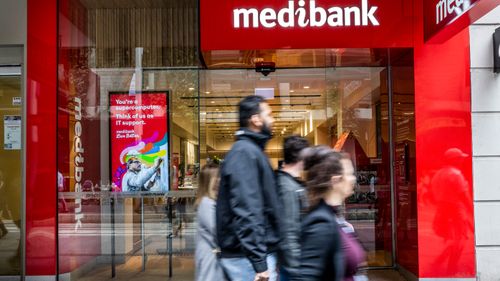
(330, 179)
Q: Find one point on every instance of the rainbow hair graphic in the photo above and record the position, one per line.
(146, 150)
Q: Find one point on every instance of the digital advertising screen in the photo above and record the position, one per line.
(138, 136)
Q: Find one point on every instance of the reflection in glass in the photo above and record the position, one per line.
(358, 111)
(10, 175)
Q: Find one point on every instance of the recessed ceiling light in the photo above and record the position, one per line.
(191, 89)
(212, 102)
(216, 109)
(207, 92)
(292, 91)
(306, 87)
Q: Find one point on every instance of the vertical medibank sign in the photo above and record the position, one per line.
(277, 24)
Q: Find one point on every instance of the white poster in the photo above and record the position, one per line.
(16, 101)
(12, 132)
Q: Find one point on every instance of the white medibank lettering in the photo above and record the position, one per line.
(301, 13)
(246, 17)
(315, 16)
(286, 12)
(317, 11)
(444, 8)
(267, 18)
(79, 161)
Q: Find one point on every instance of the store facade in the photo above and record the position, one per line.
(387, 81)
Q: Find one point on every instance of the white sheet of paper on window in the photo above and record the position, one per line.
(16, 101)
(12, 132)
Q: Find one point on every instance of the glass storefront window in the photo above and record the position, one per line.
(128, 82)
(10, 171)
(296, 96)
(131, 91)
(346, 108)
(359, 109)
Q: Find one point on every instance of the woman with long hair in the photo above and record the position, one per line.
(207, 266)
(327, 252)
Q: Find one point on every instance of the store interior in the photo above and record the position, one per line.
(346, 108)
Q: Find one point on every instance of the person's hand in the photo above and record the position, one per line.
(262, 276)
(158, 162)
(150, 184)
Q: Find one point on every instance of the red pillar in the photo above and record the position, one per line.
(41, 175)
(446, 246)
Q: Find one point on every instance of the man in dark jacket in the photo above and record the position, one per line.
(294, 202)
(247, 223)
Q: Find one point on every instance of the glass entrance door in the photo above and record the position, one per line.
(10, 171)
(359, 101)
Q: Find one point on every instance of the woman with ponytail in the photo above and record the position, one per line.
(327, 252)
(207, 267)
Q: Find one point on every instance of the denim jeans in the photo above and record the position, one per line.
(240, 269)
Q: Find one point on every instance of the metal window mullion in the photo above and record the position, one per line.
(391, 158)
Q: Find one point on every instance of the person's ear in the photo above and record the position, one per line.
(336, 179)
(255, 121)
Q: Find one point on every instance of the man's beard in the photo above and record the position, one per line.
(266, 130)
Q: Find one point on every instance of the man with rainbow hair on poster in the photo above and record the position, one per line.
(136, 177)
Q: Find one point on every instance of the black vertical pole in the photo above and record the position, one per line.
(169, 236)
(143, 242)
(113, 269)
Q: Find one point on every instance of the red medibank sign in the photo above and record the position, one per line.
(314, 16)
(300, 24)
(445, 18)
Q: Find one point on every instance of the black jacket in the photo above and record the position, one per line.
(321, 254)
(247, 224)
(293, 204)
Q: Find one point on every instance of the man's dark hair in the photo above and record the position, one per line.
(292, 148)
(247, 107)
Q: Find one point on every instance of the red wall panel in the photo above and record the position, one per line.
(444, 165)
(41, 184)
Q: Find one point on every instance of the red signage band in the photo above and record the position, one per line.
(303, 24)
